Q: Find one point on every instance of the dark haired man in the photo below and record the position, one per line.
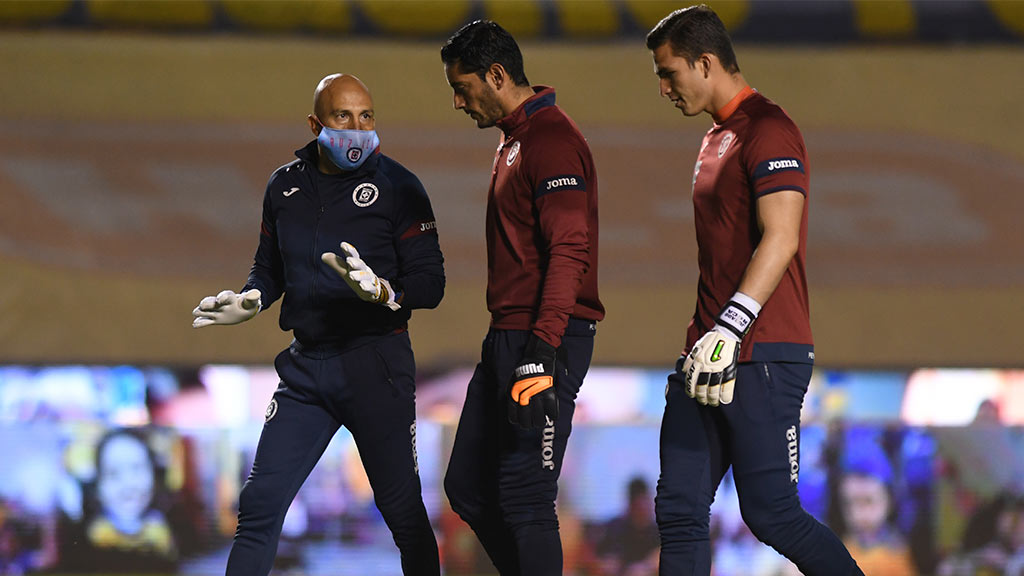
(541, 229)
(735, 397)
(351, 362)
(628, 544)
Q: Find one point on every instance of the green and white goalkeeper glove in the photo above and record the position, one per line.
(226, 308)
(360, 277)
(709, 370)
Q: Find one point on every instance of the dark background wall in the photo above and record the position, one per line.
(136, 138)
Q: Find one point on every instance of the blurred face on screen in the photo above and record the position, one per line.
(475, 96)
(125, 478)
(686, 85)
(1017, 528)
(865, 503)
(1010, 526)
(641, 509)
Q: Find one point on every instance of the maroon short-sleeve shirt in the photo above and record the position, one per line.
(756, 150)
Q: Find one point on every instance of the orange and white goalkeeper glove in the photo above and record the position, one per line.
(360, 277)
(709, 370)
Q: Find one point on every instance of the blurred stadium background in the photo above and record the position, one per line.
(135, 141)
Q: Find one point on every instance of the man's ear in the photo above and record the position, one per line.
(705, 64)
(314, 125)
(497, 76)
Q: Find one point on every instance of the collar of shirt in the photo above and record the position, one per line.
(726, 111)
(543, 97)
(310, 153)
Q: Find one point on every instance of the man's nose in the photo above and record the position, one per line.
(459, 102)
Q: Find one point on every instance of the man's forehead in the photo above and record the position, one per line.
(349, 104)
(346, 99)
(455, 73)
(662, 53)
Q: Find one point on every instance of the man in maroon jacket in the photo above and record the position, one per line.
(542, 294)
(735, 398)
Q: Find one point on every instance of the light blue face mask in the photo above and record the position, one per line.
(348, 149)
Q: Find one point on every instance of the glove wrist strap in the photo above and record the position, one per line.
(738, 315)
(388, 297)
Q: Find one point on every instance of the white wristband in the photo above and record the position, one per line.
(739, 313)
(747, 302)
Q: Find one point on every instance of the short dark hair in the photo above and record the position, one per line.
(478, 45)
(637, 487)
(132, 433)
(694, 31)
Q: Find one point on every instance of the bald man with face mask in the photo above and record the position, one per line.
(348, 239)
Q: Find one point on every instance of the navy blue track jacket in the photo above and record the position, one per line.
(382, 209)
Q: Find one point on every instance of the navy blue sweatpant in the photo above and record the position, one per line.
(758, 434)
(503, 480)
(370, 390)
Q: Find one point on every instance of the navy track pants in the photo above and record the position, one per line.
(369, 389)
(758, 434)
(503, 480)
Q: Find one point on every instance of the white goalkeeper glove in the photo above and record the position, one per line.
(360, 277)
(709, 370)
(226, 308)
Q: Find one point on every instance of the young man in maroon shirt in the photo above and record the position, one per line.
(735, 397)
(541, 230)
